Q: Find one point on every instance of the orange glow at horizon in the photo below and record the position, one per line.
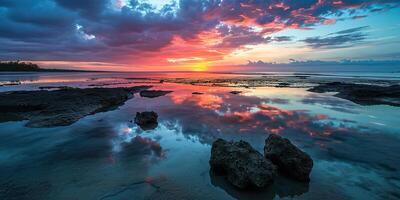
(200, 67)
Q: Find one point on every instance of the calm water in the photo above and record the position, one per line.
(105, 156)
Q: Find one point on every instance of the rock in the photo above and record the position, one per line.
(153, 93)
(289, 159)
(283, 84)
(235, 92)
(363, 94)
(242, 166)
(54, 87)
(146, 120)
(63, 107)
(197, 93)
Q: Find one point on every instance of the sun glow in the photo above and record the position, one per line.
(199, 67)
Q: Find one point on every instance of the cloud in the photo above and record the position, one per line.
(351, 30)
(294, 62)
(90, 8)
(283, 39)
(340, 39)
(137, 31)
(238, 36)
(325, 66)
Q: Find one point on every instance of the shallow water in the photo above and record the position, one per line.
(105, 156)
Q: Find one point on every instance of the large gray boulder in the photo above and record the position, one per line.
(289, 159)
(243, 166)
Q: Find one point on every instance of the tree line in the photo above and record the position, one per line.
(18, 66)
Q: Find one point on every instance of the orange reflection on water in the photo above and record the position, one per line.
(244, 113)
(203, 101)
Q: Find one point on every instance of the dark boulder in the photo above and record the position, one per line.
(243, 166)
(289, 159)
(146, 120)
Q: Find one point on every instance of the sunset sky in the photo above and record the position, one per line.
(196, 35)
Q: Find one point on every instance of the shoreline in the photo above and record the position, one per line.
(53, 71)
(62, 107)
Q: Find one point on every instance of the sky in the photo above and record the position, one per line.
(197, 35)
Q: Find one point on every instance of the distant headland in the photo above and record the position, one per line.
(17, 66)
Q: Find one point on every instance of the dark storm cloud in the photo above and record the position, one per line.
(340, 39)
(88, 8)
(33, 20)
(100, 30)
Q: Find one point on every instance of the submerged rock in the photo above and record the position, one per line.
(289, 159)
(362, 94)
(146, 120)
(153, 93)
(282, 188)
(61, 107)
(197, 93)
(243, 166)
(235, 92)
(219, 181)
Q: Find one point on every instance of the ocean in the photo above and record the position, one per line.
(355, 148)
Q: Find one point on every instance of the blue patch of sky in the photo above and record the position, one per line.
(382, 42)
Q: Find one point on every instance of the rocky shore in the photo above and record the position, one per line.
(362, 91)
(362, 94)
(281, 81)
(61, 107)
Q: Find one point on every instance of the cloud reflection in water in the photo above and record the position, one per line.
(251, 118)
(104, 155)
